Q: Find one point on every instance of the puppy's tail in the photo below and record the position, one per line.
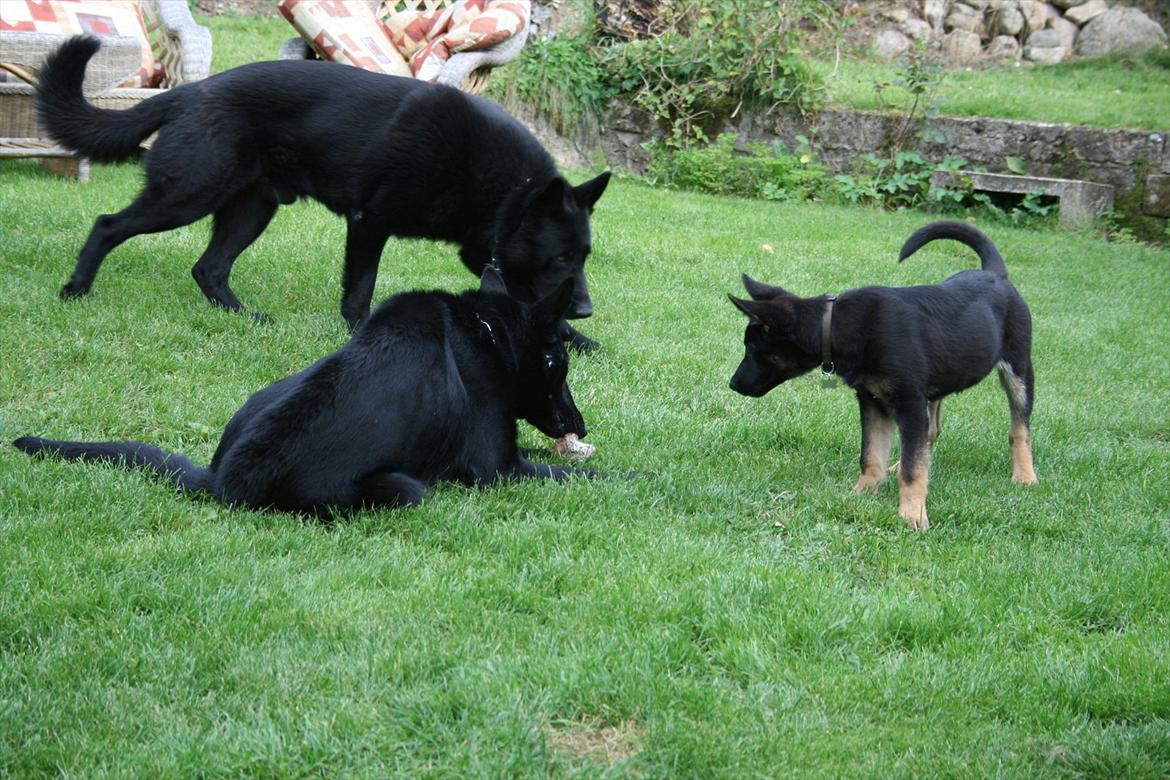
(957, 231)
(101, 134)
(170, 466)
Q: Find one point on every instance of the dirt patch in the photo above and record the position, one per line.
(590, 741)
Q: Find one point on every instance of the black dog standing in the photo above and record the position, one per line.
(429, 388)
(394, 156)
(902, 350)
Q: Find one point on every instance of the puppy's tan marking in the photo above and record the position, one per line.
(912, 493)
(1021, 440)
(878, 435)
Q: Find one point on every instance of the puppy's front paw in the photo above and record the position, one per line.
(914, 513)
(1024, 477)
(869, 483)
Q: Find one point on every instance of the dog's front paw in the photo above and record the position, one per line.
(869, 483)
(73, 289)
(914, 513)
(1024, 477)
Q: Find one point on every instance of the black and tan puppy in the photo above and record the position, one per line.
(428, 389)
(394, 156)
(902, 350)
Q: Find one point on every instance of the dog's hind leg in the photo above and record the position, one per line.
(914, 469)
(388, 489)
(877, 435)
(237, 224)
(144, 215)
(1018, 382)
(363, 251)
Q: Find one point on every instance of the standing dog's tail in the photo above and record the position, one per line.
(957, 231)
(170, 466)
(102, 134)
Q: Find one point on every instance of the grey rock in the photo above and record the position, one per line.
(1044, 39)
(964, 17)
(898, 14)
(1003, 47)
(1067, 3)
(934, 11)
(1035, 14)
(979, 5)
(1066, 30)
(1007, 21)
(1119, 29)
(890, 44)
(961, 46)
(1080, 14)
(917, 29)
(1156, 201)
(1045, 55)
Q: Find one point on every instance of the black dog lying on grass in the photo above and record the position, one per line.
(428, 389)
(394, 156)
(902, 350)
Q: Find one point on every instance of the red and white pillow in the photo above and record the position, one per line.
(93, 17)
(345, 31)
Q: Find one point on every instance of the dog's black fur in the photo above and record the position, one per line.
(394, 156)
(902, 350)
(428, 389)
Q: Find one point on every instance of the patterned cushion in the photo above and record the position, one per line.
(93, 17)
(345, 31)
(429, 37)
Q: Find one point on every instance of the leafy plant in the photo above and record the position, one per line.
(712, 58)
(760, 171)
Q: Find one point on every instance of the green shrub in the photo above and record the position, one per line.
(756, 172)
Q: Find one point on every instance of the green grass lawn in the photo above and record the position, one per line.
(1130, 92)
(736, 614)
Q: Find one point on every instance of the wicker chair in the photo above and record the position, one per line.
(21, 54)
(468, 70)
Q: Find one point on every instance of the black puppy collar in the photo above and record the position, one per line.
(826, 332)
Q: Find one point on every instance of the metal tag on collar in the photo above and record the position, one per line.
(487, 327)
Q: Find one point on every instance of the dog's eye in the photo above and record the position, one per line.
(561, 259)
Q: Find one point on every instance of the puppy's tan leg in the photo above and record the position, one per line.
(1021, 440)
(877, 435)
(914, 434)
(912, 492)
(1018, 385)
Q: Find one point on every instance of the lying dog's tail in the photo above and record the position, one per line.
(958, 231)
(102, 134)
(170, 466)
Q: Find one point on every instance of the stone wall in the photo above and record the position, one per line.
(1136, 164)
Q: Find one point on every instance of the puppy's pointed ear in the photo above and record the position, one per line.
(760, 291)
(753, 309)
(554, 306)
(492, 281)
(588, 193)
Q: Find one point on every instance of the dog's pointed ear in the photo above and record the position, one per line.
(588, 193)
(752, 309)
(492, 281)
(549, 199)
(554, 306)
(760, 291)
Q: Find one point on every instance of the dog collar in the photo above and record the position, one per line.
(491, 336)
(826, 333)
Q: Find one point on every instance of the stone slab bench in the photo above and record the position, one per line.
(1080, 201)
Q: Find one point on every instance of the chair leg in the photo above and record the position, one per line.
(71, 167)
